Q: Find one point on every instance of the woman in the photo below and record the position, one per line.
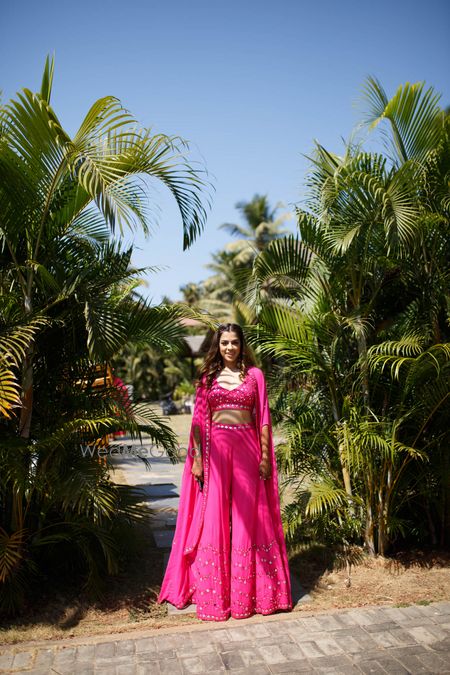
(229, 554)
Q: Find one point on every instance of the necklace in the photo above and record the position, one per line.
(229, 377)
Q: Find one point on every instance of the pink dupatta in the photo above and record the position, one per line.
(176, 586)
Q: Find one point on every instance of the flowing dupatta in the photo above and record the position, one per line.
(176, 586)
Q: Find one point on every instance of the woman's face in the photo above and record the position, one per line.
(229, 346)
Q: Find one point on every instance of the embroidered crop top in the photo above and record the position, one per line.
(242, 397)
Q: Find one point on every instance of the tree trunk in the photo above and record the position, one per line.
(362, 352)
(369, 538)
(431, 528)
(27, 383)
(381, 534)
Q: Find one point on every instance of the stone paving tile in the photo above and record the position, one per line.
(304, 636)
(442, 646)
(240, 634)
(403, 636)
(297, 666)
(230, 646)
(278, 628)
(44, 659)
(351, 645)
(105, 650)
(376, 627)
(330, 623)
(125, 670)
(63, 668)
(392, 666)
(369, 655)
(217, 635)
(291, 651)
(371, 667)
(438, 631)
(85, 653)
(365, 641)
(104, 663)
(329, 646)
(407, 664)
(184, 651)
(363, 618)
(258, 630)
(213, 662)
(6, 660)
(145, 645)
(394, 614)
(86, 668)
(165, 642)
(192, 664)
(348, 619)
(272, 654)
(399, 652)
(310, 650)
(424, 635)
(434, 662)
(312, 624)
(327, 664)
(432, 610)
(125, 647)
(168, 667)
(232, 660)
(386, 639)
(251, 656)
(145, 657)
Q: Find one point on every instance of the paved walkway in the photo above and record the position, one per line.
(412, 639)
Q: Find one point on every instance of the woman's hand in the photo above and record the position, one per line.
(265, 469)
(197, 468)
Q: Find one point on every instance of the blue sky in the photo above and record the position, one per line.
(249, 84)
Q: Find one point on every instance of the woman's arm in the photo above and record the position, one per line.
(197, 464)
(198, 443)
(265, 439)
(265, 469)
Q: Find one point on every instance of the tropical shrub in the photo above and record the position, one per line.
(68, 309)
(363, 286)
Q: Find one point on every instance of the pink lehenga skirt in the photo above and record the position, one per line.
(238, 567)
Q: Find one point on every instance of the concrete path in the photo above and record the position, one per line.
(412, 639)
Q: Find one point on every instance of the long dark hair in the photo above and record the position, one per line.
(213, 362)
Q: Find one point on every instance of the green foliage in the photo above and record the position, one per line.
(355, 313)
(224, 294)
(69, 307)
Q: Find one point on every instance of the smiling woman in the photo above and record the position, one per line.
(229, 567)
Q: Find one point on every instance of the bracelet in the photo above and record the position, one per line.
(197, 452)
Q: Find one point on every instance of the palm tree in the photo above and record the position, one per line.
(260, 228)
(370, 264)
(69, 304)
(223, 292)
(53, 187)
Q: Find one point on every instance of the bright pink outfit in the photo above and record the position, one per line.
(229, 554)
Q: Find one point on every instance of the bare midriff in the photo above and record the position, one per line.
(232, 416)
